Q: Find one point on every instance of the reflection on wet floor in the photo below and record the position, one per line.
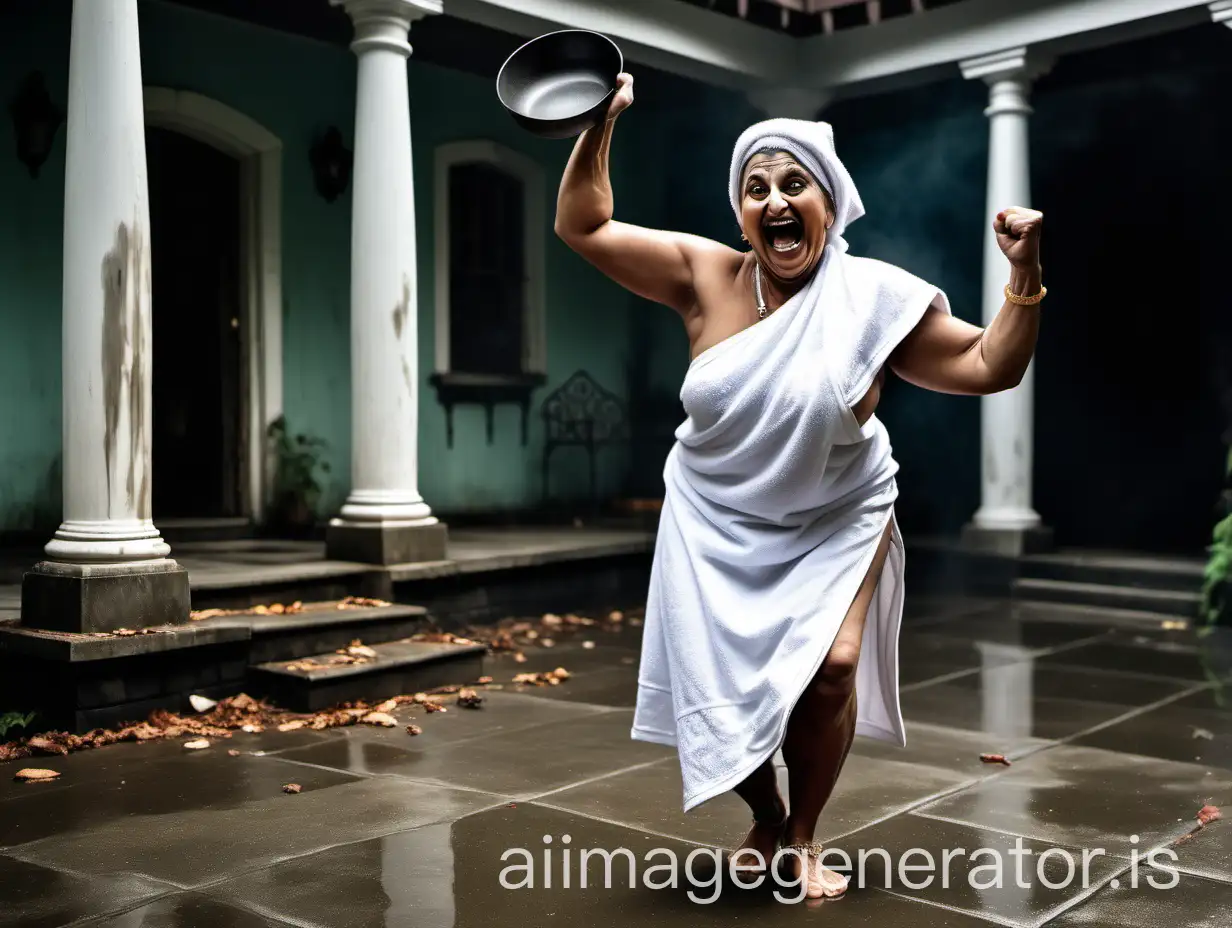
(1117, 736)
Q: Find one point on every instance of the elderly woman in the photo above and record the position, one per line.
(776, 592)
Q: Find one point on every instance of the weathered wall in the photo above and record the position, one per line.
(296, 88)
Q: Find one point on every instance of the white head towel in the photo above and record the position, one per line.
(812, 144)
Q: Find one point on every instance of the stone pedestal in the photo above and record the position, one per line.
(384, 543)
(1010, 542)
(102, 598)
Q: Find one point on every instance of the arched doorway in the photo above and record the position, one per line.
(215, 210)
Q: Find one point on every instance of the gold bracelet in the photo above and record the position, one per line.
(1025, 300)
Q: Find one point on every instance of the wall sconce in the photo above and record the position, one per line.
(36, 119)
(331, 164)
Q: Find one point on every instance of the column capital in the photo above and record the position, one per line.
(1221, 12)
(1011, 64)
(791, 102)
(384, 24)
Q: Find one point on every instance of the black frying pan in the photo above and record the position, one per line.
(560, 84)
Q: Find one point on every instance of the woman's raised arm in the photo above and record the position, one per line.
(948, 355)
(656, 265)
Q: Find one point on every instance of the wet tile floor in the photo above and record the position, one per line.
(1117, 737)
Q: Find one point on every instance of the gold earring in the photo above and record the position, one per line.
(743, 237)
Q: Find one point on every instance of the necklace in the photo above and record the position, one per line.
(762, 312)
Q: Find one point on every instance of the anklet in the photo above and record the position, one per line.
(811, 848)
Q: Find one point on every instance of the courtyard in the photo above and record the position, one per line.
(1116, 736)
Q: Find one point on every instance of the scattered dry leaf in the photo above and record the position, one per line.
(1174, 625)
(36, 775)
(544, 678)
(469, 699)
(552, 621)
(519, 658)
(293, 725)
(484, 680)
(233, 753)
(292, 788)
(388, 705)
(995, 759)
(198, 744)
(1203, 734)
(383, 719)
(362, 602)
(45, 745)
(201, 703)
(616, 615)
(1208, 814)
(588, 645)
(414, 730)
(252, 729)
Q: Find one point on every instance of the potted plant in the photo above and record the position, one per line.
(296, 486)
(1217, 588)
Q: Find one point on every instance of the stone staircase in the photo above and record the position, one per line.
(1130, 585)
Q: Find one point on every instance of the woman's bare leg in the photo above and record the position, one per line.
(761, 791)
(821, 729)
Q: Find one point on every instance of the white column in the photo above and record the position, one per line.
(1006, 419)
(790, 102)
(106, 310)
(384, 283)
(1221, 12)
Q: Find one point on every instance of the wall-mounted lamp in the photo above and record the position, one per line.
(36, 119)
(331, 164)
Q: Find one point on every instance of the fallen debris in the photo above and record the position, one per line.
(995, 759)
(358, 649)
(413, 730)
(36, 775)
(588, 645)
(199, 744)
(384, 719)
(484, 680)
(201, 703)
(1203, 734)
(1206, 815)
(46, 745)
(469, 699)
(292, 788)
(295, 608)
(233, 753)
(1174, 625)
(543, 678)
(293, 725)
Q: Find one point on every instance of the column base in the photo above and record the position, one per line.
(1010, 542)
(385, 543)
(101, 598)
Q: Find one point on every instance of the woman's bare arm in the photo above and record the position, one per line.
(949, 355)
(656, 265)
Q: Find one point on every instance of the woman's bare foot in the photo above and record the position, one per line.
(764, 839)
(821, 882)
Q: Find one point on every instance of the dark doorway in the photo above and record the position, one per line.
(195, 252)
(1134, 385)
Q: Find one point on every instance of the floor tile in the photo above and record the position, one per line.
(1191, 903)
(1156, 659)
(449, 876)
(924, 655)
(192, 848)
(40, 897)
(650, 798)
(1090, 798)
(188, 910)
(969, 869)
(1032, 699)
(953, 749)
(179, 784)
(1005, 627)
(517, 763)
(1177, 731)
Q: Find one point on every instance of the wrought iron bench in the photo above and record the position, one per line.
(581, 414)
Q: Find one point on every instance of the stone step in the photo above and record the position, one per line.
(399, 667)
(1117, 569)
(1163, 602)
(322, 628)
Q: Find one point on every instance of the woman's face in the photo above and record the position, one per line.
(784, 214)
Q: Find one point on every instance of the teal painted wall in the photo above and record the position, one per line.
(296, 88)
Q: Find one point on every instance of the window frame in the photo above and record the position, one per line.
(531, 176)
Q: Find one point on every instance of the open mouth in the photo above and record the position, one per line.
(784, 234)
